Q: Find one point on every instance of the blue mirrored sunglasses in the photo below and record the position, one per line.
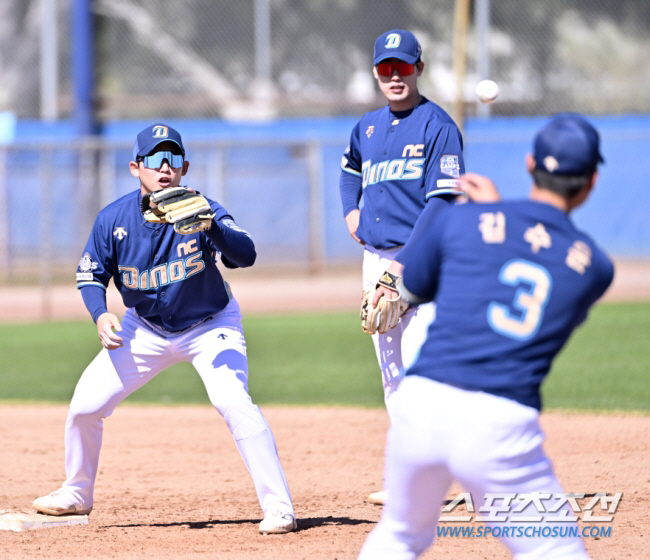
(155, 160)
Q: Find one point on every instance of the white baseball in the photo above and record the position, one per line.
(487, 91)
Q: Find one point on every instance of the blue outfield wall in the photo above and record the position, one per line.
(617, 215)
(267, 185)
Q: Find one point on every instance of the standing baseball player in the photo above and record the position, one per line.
(160, 244)
(511, 281)
(402, 164)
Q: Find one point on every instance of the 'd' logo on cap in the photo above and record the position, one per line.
(160, 132)
(393, 40)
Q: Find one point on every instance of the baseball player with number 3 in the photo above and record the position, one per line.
(511, 281)
(402, 164)
(160, 244)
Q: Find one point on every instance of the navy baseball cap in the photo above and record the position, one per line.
(397, 43)
(568, 145)
(153, 135)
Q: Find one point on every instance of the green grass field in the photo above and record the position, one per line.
(326, 359)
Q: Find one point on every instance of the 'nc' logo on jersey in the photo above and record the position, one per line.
(395, 169)
(160, 131)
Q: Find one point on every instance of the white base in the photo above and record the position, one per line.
(22, 521)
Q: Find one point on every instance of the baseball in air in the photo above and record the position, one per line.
(487, 91)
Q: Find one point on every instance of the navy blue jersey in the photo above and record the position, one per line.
(511, 281)
(170, 279)
(395, 162)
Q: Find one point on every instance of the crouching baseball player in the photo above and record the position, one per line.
(160, 245)
(511, 281)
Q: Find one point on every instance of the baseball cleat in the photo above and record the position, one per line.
(59, 502)
(277, 522)
(378, 498)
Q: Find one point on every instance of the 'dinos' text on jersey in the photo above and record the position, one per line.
(162, 274)
(409, 166)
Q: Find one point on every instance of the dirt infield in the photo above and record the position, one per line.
(172, 485)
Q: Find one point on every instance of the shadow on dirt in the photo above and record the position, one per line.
(303, 523)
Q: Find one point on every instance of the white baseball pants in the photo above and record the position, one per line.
(489, 444)
(217, 349)
(397, 349)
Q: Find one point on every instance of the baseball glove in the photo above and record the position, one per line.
(189, 211)
(388, 311)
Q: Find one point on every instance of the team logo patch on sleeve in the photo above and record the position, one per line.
(86, 264)
(232, 225)
(370, 130)
(86, 267)
(449, 165)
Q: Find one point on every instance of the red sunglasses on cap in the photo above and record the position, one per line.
(387, 67)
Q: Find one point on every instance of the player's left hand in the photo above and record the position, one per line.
(189, 211)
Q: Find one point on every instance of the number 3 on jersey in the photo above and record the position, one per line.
(522, 320)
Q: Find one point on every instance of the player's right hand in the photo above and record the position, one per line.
(479, 188)
(106, 322)
(352, 221)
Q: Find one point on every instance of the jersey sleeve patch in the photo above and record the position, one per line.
(85, 272)
(87, 264)
(444, 187)
(232, 225)
(346, 165)
(449, 165)
(448, 184)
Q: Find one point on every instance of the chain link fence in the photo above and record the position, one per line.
(265, 58)
(220, 60)
(279, 190)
